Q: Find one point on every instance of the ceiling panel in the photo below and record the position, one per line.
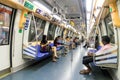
(73, 9)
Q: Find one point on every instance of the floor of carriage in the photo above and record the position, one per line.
(66, 68)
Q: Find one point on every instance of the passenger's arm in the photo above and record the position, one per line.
(42, 45)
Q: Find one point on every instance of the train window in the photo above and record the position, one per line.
(109, 27)
(51, 32)
(101, 31)
(40, 24)
(57, 33)
(40, 28)
(32, 31)
(5, 19)
(60, 31)
(63, 32)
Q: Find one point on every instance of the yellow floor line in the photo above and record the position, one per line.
(4, 75)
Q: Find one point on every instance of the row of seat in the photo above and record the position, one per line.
(33, 52)
(107, 58)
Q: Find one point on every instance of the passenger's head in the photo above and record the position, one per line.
(105, 40)
(56, 39)
(44, 39)
(59, 37)
(67, 37)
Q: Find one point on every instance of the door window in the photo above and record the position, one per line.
(5, 19)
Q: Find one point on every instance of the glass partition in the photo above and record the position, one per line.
(51, 32)
(40, 24)
(109, 27)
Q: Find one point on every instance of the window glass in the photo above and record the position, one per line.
(60, 31)
(63, 30)
(5, 19)
(57, 30)
(40, 24)
(101, 31)
(40, 29)
(109, 27)
(51, 32)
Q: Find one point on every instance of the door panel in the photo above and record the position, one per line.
(5, 22)
(4, 57)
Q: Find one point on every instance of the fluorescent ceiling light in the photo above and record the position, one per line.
(91, 25)
(97, 12)
(64, 22)
(99, 3)
(93, 20)
(41, 6)
(87, 22)
(69, 26)
(89, 5)
(88, 25)
(88, 16)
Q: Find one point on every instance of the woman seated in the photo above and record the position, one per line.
(45, 47)
(67, 44)
(59, 43)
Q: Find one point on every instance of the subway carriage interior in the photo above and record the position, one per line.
(48, 39)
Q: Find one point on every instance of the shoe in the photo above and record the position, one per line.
(65, 53)
(84, 71)
(54, 60)
(56, 57)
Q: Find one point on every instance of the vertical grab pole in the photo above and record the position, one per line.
(71, 60)
(35, 32)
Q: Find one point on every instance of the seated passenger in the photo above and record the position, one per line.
(59, 43)
(67, 44)
(88, 59)
(76, 40)
(86, 44)
(67, 41)
(45, 47)
(71, 43)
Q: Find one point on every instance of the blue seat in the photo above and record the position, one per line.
(51, 44)
(99, 47)
(36, 55)
(58, 48)
(41, 55)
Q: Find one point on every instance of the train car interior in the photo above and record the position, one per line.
(59, 39)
